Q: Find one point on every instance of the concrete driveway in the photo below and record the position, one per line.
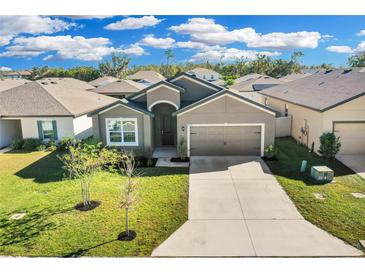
(355, 162)
(237, 208)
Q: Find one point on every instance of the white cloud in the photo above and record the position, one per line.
(229, 55)
(161, 43)
(198, 25)
(66, 47)
(77, 17)
(340, 49)
(360, 47)
(206, 31)
(195, 45)
(11, 26)
(134, 23)
(5, 69)
(361, 33)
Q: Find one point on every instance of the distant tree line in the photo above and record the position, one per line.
(119, 66)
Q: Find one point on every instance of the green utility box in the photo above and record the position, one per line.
(322, 173)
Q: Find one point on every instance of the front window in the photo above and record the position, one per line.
(122, 132)
(48, 131)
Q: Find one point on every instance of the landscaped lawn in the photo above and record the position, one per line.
(340, 213)
(33, 183)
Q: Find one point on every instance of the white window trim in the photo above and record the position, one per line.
(161, 102)
(46, 121)
(262, 147)
(128, 144)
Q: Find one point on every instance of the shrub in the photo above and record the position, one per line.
(66, 142)
(182, 148)
(92, 141)
(330, 145)
(270, 151)
(41, 148)
(31, 144)
(17, 144)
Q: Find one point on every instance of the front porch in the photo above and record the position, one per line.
(164, 155)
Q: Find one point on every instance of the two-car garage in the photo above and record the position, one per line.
(226, 124)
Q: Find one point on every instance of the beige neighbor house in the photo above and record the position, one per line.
(327, 101)
(120, 88)
(210, 119)
(102, 81)
(205, 74)
(48, 109)
(256, 84)
(294, 76)
(146, 77)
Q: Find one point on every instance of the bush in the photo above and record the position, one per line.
(92, 141)
(17, 144)
(270, 151)
(66, 142)
(182, 148)
(330, 145)
(41, 148)
(31, 144)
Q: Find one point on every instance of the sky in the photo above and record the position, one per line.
(67, 41)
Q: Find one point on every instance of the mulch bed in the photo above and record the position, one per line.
(179, 160)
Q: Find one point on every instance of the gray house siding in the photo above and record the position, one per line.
(193, 91)
(163, 93)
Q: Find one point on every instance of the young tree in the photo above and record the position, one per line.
(357, 60)
(116, 67)
(330, 145)
(128, 196)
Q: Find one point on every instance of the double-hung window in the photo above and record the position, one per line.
(47, 130)
(122, 131)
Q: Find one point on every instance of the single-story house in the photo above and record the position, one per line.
(49, 109)
(246, 77)
(205, 74)
(102, 81)
(209, 119)
(120, 88)
(256, 84)
(17, 74)
(146, 77)
(327, 101)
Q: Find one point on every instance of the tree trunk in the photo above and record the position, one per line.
(126, 221)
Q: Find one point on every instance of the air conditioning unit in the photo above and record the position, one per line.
(322, 173)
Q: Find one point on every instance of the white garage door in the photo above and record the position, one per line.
(225, 140)
(352, 137)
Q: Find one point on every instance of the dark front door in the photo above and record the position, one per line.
(167, 133)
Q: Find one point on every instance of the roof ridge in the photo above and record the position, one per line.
(54, 98)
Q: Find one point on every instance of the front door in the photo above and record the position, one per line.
(167, 133)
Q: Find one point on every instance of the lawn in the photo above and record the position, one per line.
(340, 213)
(33, 183)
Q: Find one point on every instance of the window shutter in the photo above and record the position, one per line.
(40, 130)
(54, 127)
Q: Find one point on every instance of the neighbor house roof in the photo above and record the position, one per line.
(161, 83)
(148, 75)
(323, 90)
(17, 73)
(11, 83)
(218, 94)
(256, 84)
(120, 87)
(294, 76)
(204, 71)
(51, 97)
(102, 81)
(247, 77)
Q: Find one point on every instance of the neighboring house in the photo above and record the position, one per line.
(48, 109)
(210, 119)
(11, 83)
(294, 76)
(120, 88)
(102, 81)
(17, 74)
(256, 84)
(146, 77)
(219, 82)
(247, 77)
(328, 101)
(205, 74)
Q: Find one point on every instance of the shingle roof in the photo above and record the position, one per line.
(294, 76)
(249, 85)
(11, 83)
(120, 87)
(102, 81)
(148, 75)
(323, 90)
(247, 77)
(51, 97)
(203, 71)
(143, 91)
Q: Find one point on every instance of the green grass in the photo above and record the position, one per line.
(33, 183)
(340, 213)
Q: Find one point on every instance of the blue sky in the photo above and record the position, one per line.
(27, 41)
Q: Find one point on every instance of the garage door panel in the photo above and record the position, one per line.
(352, 137)
(225, 140)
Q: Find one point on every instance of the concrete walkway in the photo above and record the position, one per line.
(355, 162)
(237, 208)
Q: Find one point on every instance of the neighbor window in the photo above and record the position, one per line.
(122, 131)
(47, 130)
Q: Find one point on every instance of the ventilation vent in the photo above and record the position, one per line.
(321, 83)
(328, 71)
(44, 83)
(346, 71)
(53, 82)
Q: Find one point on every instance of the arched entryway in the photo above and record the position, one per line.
(164, 125)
